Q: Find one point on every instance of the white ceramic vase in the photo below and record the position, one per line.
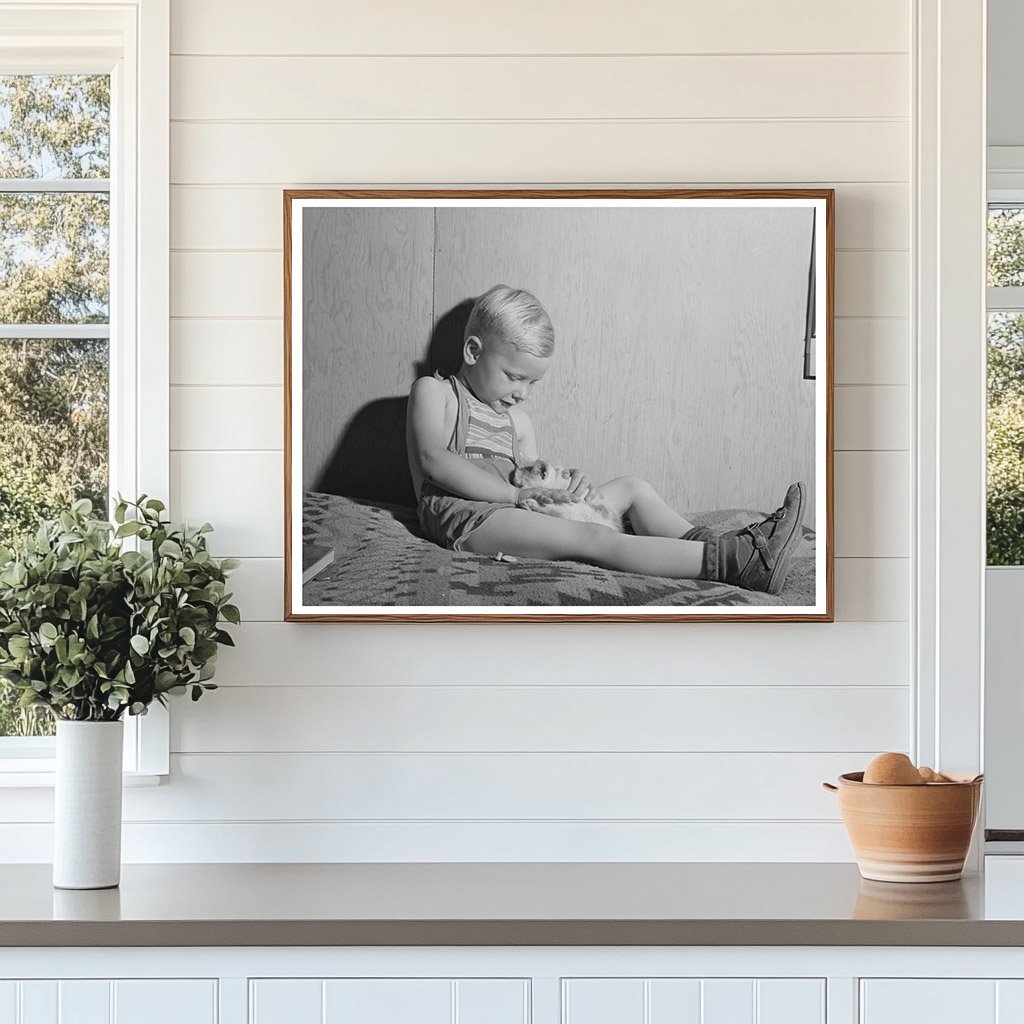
(87, 805)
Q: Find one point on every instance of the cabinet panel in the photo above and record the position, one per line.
(84, 1002)
(727, 1001)
(492, 1001)
(149, 1001)
(387, 1001)
(285, 1001)
(603, 1001)
(937, 1001)
(790, 1001)
(1009, 1002)
(693, 1001)
(674, 1001)
(38, 1002)
(8, 1002)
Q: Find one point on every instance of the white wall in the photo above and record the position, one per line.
(424, 742)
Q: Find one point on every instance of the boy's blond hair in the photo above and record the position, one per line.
(514, 316)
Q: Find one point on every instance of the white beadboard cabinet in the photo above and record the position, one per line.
(942, 1001)
(109, 1001)
(512, 985)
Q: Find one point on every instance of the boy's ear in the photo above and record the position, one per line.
(471, 349)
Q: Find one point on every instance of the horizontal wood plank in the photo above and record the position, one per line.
(872, 504)
(375, 787)
(240, 493)
(872, 350)
(872, 284)
(641, 654)
(236, 88)
(159, 842)
(468, 26)
(727, 152)
(872, 589)
(234, 418)
(227, 352)
(872, 418)
(580, 718)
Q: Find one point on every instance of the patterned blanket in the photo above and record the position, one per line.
(381, 558)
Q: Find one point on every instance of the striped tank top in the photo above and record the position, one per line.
(483, 434)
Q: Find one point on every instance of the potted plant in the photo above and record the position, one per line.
(92, 631)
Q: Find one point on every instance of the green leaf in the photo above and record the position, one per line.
(170, 549)
(231, 613)
(18, 646)
(49, 631)
(140, 644)
(128, 529)
(188, 635)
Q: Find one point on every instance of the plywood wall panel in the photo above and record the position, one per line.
(648, 307)
(367, 320)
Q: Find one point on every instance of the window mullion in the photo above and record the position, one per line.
(1005, 300)
(54, 185)
(61, 331)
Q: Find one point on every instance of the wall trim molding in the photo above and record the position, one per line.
(949, 443)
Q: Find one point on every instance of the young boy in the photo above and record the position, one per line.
(466, 434)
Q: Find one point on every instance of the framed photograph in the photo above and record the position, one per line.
(565, 405)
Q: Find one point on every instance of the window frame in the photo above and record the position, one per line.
(130, 41)
(1003, 715)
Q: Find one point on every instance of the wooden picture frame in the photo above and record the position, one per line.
(682, 320)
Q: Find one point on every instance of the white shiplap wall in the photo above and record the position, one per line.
(661, 741)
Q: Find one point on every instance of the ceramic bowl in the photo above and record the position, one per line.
(909, 833)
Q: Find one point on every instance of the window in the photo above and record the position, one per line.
(1005, 477)
(84, 125)
(54, 310)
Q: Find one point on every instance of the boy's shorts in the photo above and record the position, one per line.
(448, 520)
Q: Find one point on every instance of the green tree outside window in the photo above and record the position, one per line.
(54, 275)
(1005, 477)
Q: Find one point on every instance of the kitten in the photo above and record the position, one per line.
(589, 510)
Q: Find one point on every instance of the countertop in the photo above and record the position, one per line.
(491, 904)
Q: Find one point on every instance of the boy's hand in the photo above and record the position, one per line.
(581, 486)
(545, 496)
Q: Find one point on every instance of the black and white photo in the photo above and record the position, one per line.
(558, 405)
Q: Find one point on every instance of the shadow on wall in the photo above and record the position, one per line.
(370, 460)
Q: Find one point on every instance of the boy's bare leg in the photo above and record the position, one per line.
(648, 512)
(516, 531)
